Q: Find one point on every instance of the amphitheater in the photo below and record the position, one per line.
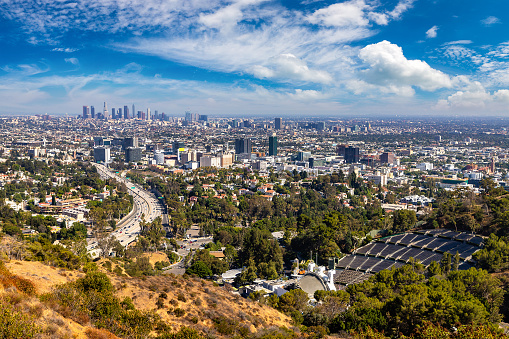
(395, 251)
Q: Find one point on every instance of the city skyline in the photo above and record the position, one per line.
(257, 57)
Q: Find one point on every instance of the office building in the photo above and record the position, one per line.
(340, 150)
(98, 141)
(92, 112)
(272, 146)
(134, 112)
(303, 156)
(130, 142)
(102, 155)
(352, 155)
(159, 157)
(113, 113)
(316, 162)
(126, 112)
(204, 118)
(176, 145)
(278, 123)
(320, 126)
(388, 158)
(189, 117)
(86, 112)
(119, 113)
(243, 146)
(132, 154)
(106, 115)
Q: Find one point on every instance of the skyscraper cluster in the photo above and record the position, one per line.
(122, 113)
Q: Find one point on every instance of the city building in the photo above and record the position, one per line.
(388, 158)
(352, 155)
(278, 123)
(102, 155)
(273, 146)
(303, 156)
(126, 112)
(130, 142)
(243, 145)
(86, 112)
(92, 112)
(132, 154)
(159, 157)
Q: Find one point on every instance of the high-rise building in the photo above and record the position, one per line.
(272, 146)
(352, 155)
(113, 113)
(106, 115)
(130, 142)
(148, 114)
(132, 154)
(102, 154)
(303, 156)
(278, 123)
(92, 112)
(203, 117)
(126, 112)
(387, 158)
(320, 126)
(340, 150)
(119, 113)
(176, 146)
(189, 117)
(159, 157)
(86, 112)
(134, 112)
(243, 145)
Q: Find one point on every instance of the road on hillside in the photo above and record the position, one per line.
(145, 204)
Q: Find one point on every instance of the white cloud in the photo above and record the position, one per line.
(458, 42)
(289, 67)
(346, 14)
(73, 61)
(491, 20)
(389, 67)
(65, 50)
(432, 32)
(357, 13)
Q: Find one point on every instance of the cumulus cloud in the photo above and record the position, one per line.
(357, 13)
(432, 32)
(491, 20)
(289, 67)
(387, 66)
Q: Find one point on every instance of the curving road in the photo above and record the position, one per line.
(145, 204)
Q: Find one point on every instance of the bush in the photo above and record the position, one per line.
(14, 324)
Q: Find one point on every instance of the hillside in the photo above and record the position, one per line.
(177, 300)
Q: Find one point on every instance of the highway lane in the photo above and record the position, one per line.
(146, 205)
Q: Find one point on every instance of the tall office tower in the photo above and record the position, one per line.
(86, 112)
(189, 116)
(126, 112)
(106, 115)
(204, 117)
(102, 154)
(340, 150)
(132, 154)
(113, 113)
(273, 145)
(278, 123)
(156, 115)
(148, 114)
(176, 146)
(92, 111)
(119, 113)
(387, 158)
(134, 112)
(320, 126)
(352, 155)
(243, 145)
(130, 142)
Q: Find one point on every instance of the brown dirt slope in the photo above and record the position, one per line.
(178, 300)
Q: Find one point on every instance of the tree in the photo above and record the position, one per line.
(200, 269)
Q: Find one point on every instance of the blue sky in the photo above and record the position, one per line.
(256, 57)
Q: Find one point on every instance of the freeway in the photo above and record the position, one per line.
(145, 205)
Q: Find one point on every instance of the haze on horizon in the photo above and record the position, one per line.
(256, 57)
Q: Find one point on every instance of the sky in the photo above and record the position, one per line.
(251, 58)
